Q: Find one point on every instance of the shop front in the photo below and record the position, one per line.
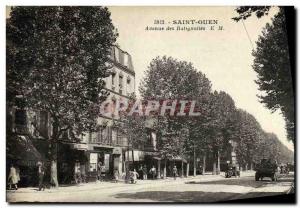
(72, 163)
(134, 158)
(103, 160)
(154, 159)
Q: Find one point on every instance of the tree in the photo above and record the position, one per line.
(61, 57)
(271, 148)
(170, 79)
(273, 65)
(219, 126)
(250, 136)
(134, 127)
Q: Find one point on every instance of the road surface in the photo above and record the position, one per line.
(207, 188)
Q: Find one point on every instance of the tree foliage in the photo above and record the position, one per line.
(170, 79)
(273, 66)
(219, 126)
(246, 11)
(249, 137)
(57, 58)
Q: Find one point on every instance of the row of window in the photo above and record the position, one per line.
(121, 87)
(106, 135)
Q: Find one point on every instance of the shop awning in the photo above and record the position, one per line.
(20, 147)
(178, 159)
(153, 154)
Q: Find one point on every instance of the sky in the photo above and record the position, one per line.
(223, 56)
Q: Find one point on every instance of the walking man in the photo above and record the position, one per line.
(99, 169)
(153, 172)
(174, 172)
(140, 171)
(41, 172)
(145, 172)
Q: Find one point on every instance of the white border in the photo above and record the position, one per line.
(3, 4)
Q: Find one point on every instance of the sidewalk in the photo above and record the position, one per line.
(110, 184)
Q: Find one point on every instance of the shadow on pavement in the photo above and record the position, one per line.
(190, 196)
(244, 182)
(238, 182)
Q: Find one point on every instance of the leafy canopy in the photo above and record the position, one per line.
(57, 59)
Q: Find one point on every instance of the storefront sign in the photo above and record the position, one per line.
(107, 150)
(93, 158)
(117, 151)
(80, 146)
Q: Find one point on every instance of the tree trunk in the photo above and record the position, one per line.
(204, 165)
(132, 153)
(158, 169)
(187, 169)
(182, 171)
(218, 162)
(127, 167)
(214, 164)
(165, 169)
(214, 167)
(54, 179)
(53, 153)
(194, 162)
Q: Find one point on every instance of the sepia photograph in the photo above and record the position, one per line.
(150, 104)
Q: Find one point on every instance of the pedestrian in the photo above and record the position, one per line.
(133, 176)
(200, 170)
(175, 172)
(281, 169)
(153, 172)
(13, 177)
(116, 175)
(41, 173)
(145, 172)
(141, 172)
(99, 170)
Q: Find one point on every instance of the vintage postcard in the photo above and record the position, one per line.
(150, 104)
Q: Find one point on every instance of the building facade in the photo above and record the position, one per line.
(107, 146)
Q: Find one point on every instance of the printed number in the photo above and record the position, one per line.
(159, 22)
